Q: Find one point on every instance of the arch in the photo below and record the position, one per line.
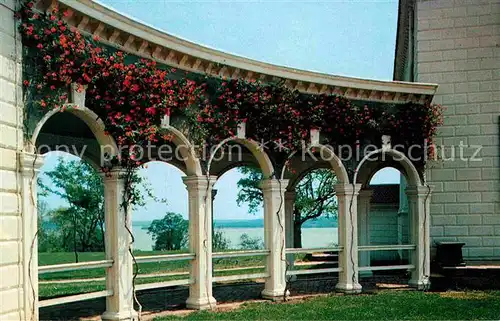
(399, 161)
(108, 144)
(186, 149)
(293, 180)
(94, 123)
(334, 161)
(260, 155)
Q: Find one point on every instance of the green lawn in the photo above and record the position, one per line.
(387, 305)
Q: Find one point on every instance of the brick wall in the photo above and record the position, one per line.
(11, 247)
(458, 47)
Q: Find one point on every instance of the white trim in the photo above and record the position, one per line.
(313, 271)
(165, 284)
(74, 266)
(386, 267)
(313, 250)
(240, 277)
(386, 247)
(75, 298)
(166, 257)
(221, 255)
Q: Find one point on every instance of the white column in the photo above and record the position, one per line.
(200, 241)
(274, 237)
(347, 195)
(30, 166)
(289, 225)
(419, 201)
(365, 196)
(119, 306)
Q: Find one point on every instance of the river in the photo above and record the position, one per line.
(311, 237)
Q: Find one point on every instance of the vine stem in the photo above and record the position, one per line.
(127, 197)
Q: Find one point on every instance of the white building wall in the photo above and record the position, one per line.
(458, 47)
(11, 140)
(383, 230)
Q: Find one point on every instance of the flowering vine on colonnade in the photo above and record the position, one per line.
(133, 95)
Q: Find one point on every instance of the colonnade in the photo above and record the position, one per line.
(353, 230)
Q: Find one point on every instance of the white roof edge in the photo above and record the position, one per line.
(156, 36)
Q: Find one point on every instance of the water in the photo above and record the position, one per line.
(311, 237)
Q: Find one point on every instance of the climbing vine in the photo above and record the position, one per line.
(133, 95)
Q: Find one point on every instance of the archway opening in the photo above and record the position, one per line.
(238, 221)
(160, 223)
(311, 210)
(71, 225)
(387, 220)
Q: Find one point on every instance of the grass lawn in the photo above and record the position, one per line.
(386, 305)
(62, 289)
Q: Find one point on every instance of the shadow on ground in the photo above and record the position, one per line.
(174, 298)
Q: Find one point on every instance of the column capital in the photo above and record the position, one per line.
(347, 189)
(197, 182)
(30, 162)
(274, 184)
(419, 190)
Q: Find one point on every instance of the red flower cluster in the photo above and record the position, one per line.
(132, 98)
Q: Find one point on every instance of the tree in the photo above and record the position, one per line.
(250, 243)
(315, 196)
(169, 233)
(79, 227)
(220, 241)
(82, 223)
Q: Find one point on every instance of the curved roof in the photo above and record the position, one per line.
(140, 39)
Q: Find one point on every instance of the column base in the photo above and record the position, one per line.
(120, 316)
(275, 295)
(422, 284)
(205, 303)
(348, 288)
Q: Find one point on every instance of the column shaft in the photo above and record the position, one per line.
(200, 241)
(419, 206)
(347, 195)
(274, 238)
(30, 165)
(119, 306)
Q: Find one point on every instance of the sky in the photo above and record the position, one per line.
(350, 38)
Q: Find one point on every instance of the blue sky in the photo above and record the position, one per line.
(352, 38)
